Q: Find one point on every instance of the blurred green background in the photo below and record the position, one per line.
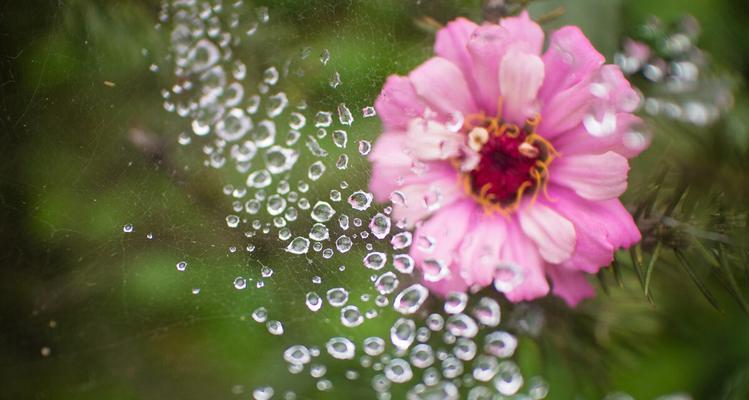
(90, 312)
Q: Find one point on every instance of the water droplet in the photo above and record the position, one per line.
(319, 232)
(487, 312)
(485, 368)
(313, 301)
(325, 56)
(337, 297)
(232, 221)
(386, 283)
(275, 327)
(351, 316)
(340, 348)
(298, 245)
(323, 119)
(335, 80)
(360, 200)
(240, 283)
(260, 315)
(368, 111)
(455, 302)
(401, 240)
(422, 356)
(508, 380)
(375, 260)
(364, 147)
(316, 170)
(322, 212)
(403, 333)
(297, 354)
(404, 263)
(340, 138)
(343, 243)
(410, 299)
(181, 266)
(344, 115)
(398, 371)
(507, 276)
(500, 344)
(461, 325)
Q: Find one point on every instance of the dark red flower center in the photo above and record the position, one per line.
(512, 161)
(502, 169)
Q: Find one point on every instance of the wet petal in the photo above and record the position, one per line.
(572, 286)
(481, 249)
(398, 103)
(520, 77)
(594, 177)
(553, 234)
(518, 248)
(442, 86)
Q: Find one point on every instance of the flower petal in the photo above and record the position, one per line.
(625, 140)
(527, 35)
(520, 77)
(481, 249)
(444, 232)
(431, 140)
(519, 249)
(442, 86)
(433, 193)
(398, 103)
(601, 228)
(565, 110)
(569, 60)
(487, 47)
(572, 286)
(594, 177)
(393, 168)
(553, 234)
(452, 44)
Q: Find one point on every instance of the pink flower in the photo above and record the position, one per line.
(509, 162)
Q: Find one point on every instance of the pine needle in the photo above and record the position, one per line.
(696, 280)
(651, 266)
(733, 285)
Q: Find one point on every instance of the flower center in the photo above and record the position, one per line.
(512, 161)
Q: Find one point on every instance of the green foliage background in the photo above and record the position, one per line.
(121, 323)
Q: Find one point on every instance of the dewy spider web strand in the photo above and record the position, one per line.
(293, 175)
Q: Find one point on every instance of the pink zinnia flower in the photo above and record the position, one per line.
(508, 162)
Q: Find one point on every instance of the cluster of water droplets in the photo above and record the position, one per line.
(682, 85)
(284, 152)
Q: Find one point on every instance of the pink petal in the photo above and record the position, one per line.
(565, 110)
(527, 34)
(430, 195)
(594, 177)
(431, 140)
(398, 103)
(481, 249)
(601, 227)
(393, 168)
(572, 286)
(569, 60)
(592, 247)
(523, 252)
(625, 140)
(487, 47)
(553, 234)
(452, 44)
(442, 86)
(520, 77)
(445, 231)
